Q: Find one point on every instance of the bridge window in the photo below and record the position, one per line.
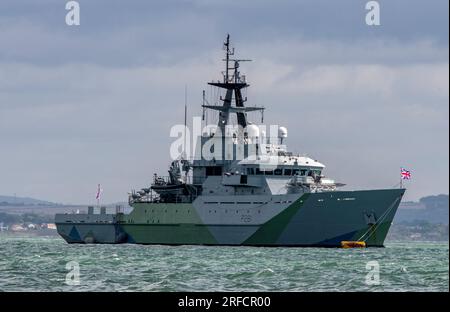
(259, 172)
(213, 171)
(287, 172)
(295, 171)
(303, 172)
(278, 172)
(250, 171)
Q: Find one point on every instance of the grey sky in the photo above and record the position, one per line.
(95, 103)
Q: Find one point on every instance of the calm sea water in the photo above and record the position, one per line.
(39, 264)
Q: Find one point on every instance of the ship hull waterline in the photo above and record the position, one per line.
(322, 219)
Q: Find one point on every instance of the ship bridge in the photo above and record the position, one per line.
(282, 161)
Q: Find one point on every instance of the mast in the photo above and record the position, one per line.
(233, 102)
(227, 58)
(233, 84)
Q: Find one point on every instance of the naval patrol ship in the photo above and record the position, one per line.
(242, 187)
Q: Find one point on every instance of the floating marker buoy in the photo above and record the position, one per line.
(353, 244)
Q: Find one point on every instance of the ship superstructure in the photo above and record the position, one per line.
(241, 187)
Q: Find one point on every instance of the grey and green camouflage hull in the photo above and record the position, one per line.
(311, 219)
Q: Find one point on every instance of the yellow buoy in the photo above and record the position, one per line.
(353, 244)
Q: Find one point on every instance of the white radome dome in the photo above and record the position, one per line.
(252, 131)
(282, 132)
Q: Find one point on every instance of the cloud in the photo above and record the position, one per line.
(158, 32)
(79, 107)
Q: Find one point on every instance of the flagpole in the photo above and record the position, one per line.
(185, 121)
(99, 190)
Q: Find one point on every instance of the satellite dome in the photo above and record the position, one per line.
(282, 132)
(252, 131)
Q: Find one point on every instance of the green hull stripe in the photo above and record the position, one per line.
(166, 224)
(269, 232)
(169, 234)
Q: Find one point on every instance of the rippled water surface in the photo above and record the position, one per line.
(39, 264)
